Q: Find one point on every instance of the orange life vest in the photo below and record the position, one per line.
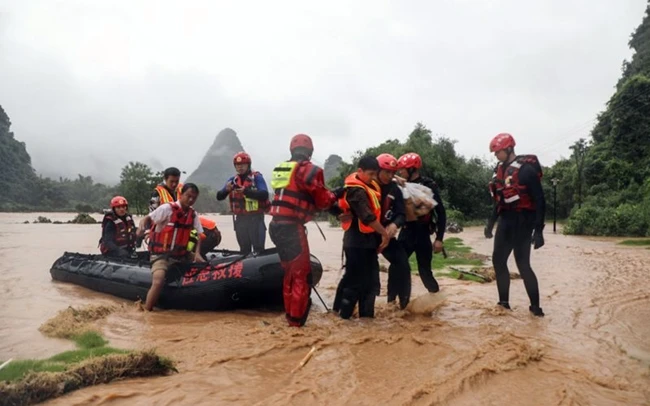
(240, 204)
(165, 196)
(124, 232)
(175, 235)
(374, 198)
(207, 224)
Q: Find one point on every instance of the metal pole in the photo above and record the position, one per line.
(554, 180)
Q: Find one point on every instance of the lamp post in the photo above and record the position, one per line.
(554, 181)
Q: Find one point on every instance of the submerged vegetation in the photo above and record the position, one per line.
(25, 382)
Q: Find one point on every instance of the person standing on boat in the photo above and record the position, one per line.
(168, 190)
(118, 230)
(299, 191)
(172, 224)
(249, 200)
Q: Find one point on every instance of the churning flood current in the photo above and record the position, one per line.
(454, 347)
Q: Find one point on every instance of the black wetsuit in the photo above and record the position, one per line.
(515, 233)
(399, 271)
(415, 236)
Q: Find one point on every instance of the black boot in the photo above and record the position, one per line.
(367, 305)
(536, 310)
(348, 302)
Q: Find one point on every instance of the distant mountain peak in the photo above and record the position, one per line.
(216, 166)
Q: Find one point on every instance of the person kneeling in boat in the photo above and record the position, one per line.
(169, 237)
(118, 230)
(210, 237)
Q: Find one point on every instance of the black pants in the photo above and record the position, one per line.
(415, 237)
(251, 232)
(212, 239)
(399, 273)
(514, 233)
(358, 283)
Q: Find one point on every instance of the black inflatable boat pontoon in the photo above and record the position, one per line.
(229, 280)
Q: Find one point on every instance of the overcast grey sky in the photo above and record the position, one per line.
(92, 85)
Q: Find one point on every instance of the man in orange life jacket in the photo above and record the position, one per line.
(299, 191)
(249, 200)
(118, 230)
(168, 190)
(416, 235)
(520, 207)
(363, 239)
(172, 225)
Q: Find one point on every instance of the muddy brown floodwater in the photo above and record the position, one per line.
(455, 347)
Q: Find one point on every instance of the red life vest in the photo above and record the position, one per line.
(175, 235)
(124, 232)
(374, 197)
(505, 188)
(290, 203)
(240, 204)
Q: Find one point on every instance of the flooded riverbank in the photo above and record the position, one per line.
(455, 347)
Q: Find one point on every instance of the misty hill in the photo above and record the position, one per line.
(19, 177)
(331, 167)
(216, 166)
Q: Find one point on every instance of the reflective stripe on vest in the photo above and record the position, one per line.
(373, 191)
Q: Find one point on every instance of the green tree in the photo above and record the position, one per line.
(463, 182)
(136, 184)
(579, 149)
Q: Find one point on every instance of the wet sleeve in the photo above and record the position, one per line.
(108, 236)
(529, 178)
(223, 193)
(161, 215)
(262, 193)
(441, 213)
(335, 210)
(197, 224)
(399, 208)
(314, 183)
(359, 204)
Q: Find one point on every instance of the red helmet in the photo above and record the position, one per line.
(301, 141)
(241, 158)
(118, 201)
(502, 141)
(410, 160)
(388, 162)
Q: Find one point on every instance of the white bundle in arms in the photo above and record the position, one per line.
(419, 197)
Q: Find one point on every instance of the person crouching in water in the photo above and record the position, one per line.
(169, 237)
(118, 231)
(363, 238)
(249, 200)
(393, 217)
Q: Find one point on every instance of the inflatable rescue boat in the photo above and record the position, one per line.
(229, 280)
